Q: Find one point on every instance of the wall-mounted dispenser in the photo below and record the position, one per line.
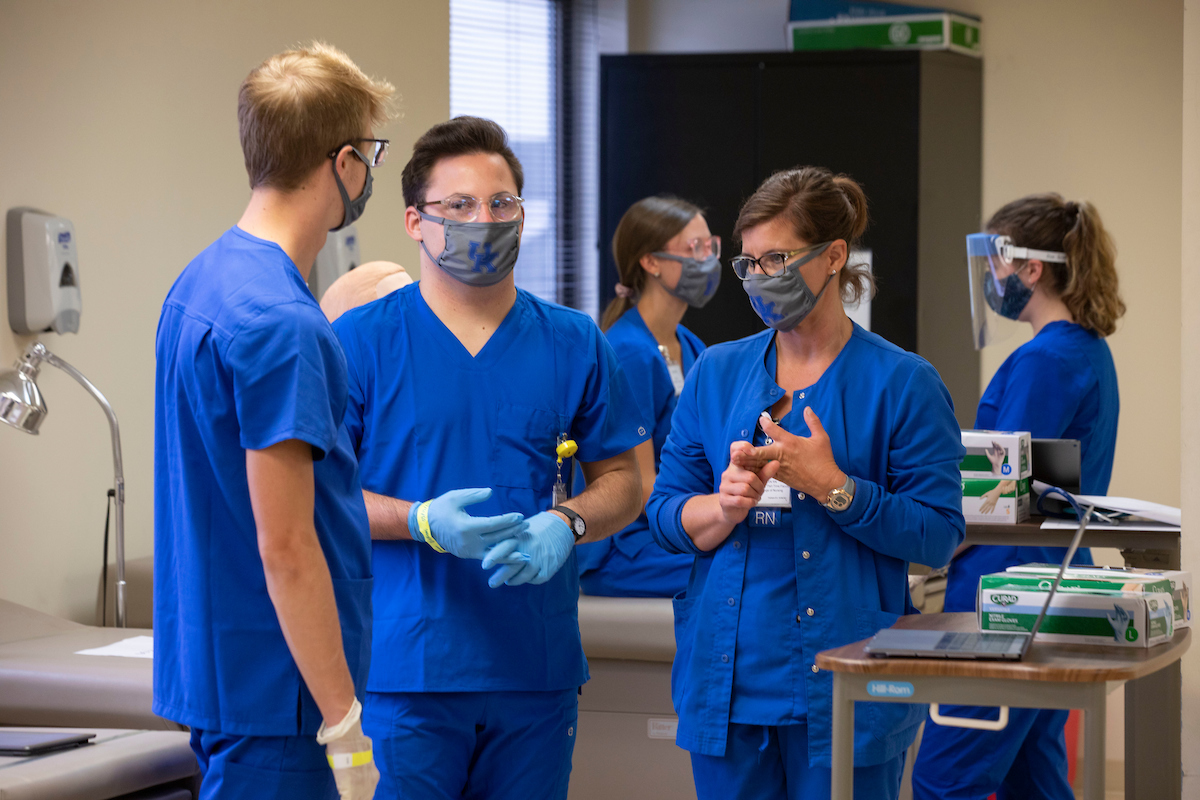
(338, 256)
(43, 273)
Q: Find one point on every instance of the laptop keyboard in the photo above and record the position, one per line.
(976, 642)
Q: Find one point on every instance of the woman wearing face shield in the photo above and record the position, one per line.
(668, 261)
(1050, 263)
(806, 466)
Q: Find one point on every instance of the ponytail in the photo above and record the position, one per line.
(645, 228)
(1090, 292)
(1087, 283)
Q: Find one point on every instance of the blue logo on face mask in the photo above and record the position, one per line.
(766, 310)
(482, 256)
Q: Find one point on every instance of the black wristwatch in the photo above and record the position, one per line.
(578, 526)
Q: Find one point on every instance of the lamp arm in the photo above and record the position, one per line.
(118, 468)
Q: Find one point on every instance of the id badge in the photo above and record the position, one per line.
(776, 494)
(560, 492)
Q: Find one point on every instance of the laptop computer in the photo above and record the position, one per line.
(991, 645)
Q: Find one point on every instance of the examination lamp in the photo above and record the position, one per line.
(22, 406)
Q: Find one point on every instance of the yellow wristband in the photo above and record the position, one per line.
(348, 760)
(423, 524)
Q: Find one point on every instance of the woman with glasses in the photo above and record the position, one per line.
(667, 260)
(1048, 262)
(807, 465)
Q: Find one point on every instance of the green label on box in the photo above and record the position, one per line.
(964, 35)
(883, 34)
(1075, 626)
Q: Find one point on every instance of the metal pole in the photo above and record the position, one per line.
(118, 468)
(842, 778)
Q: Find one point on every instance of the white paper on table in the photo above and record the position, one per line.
(133, 647)
(1139, 508)
(1128, 525)
(1167, 515)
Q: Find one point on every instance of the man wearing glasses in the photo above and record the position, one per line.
(468, 392)
(262, 607)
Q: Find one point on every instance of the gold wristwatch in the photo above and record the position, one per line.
(840, 499)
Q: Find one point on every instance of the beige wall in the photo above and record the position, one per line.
(121, 116)
(1189, 473)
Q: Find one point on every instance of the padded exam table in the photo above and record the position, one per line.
(43, 681)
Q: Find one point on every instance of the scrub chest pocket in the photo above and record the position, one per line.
(522, 452)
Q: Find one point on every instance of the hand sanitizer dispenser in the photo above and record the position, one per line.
(43, 273)
(337, 257)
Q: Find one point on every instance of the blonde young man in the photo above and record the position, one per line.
(262, 606)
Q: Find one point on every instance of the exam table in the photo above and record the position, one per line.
(625, 746)
(44, 682)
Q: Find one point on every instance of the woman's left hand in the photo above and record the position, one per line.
(805, 462)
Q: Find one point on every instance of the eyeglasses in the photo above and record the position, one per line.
(767, 264)
(377, 150)
(504, 207)
(703, 247)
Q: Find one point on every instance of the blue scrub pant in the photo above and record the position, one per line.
(1025, 761)
(653, 572)
(496, 745)
(262, 767)
(771, 763)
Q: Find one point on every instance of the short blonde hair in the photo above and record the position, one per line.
(297, 106)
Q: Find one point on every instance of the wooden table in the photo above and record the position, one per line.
(1156, 699)
(1050, 676)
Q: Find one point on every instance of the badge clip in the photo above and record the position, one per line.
(564, 449)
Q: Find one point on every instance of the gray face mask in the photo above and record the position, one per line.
(353, 208)
(784, 300)
(698, 280)
(477, 253)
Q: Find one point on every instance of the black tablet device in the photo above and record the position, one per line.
(36, 743)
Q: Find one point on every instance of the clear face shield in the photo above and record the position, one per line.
(998, 295)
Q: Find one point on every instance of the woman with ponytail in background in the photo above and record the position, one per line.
(806, 466)
(668, 261)
(1051, 264)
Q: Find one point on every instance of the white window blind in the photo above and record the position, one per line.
(532, 66)
(503, 60)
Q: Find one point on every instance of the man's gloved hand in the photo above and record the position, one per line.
(534, 554)
(443, 524)
(349, 753)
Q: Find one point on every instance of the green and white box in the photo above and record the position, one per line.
(1129, 579)
(996, 454)
(997, 501)
(944, 31)
(1117, 619)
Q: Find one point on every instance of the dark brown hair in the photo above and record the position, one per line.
(645, 228)
(1087, 283)
(821, 207)
(460, 136)
(297, 106)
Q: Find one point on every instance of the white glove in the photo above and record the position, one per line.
(349, 753)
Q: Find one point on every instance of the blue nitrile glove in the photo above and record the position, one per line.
(534, 554)
(442, 524)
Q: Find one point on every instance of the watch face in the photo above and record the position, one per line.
(840, 500)
(579, 526)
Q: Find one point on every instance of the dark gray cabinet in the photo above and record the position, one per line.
(907, 125)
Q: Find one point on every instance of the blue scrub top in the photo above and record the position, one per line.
(426, 417)
(650, 379)
(892, 428)
(245, 360)
(1061, 384)
(768, 682)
